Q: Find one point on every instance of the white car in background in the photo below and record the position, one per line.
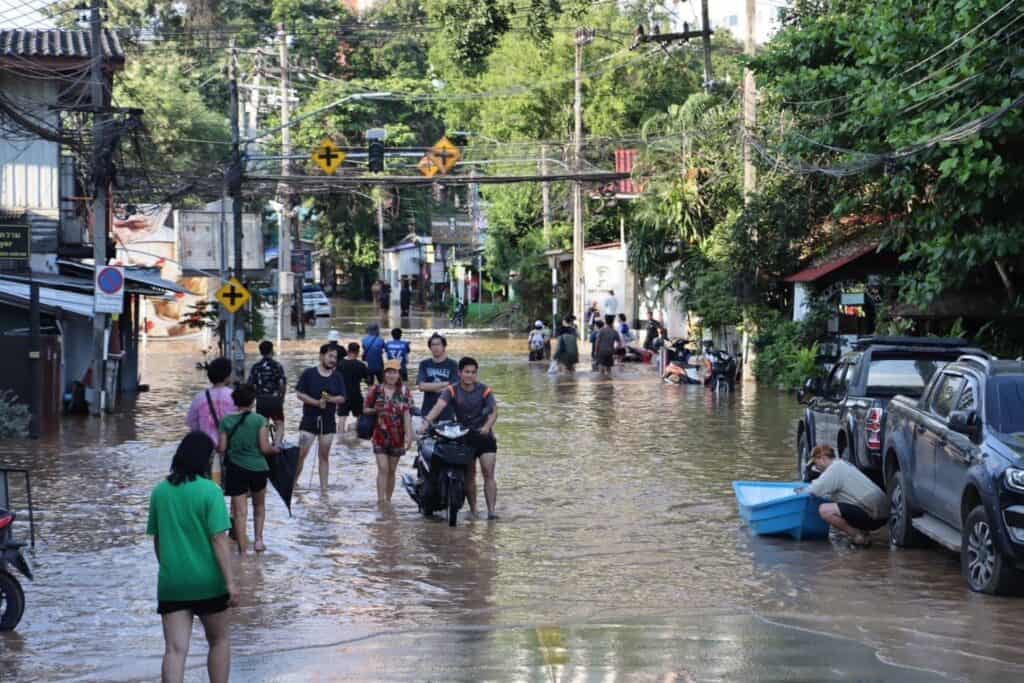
(315, 301)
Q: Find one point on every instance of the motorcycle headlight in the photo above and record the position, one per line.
(1015, 479)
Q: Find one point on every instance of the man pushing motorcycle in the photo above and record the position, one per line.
(476, 410)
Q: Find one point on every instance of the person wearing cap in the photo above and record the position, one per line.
(373, 353)
(536, 341)
(392, 435)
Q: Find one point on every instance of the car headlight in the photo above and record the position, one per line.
(1015, 479)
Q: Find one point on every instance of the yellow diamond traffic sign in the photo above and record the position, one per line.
(328, 157)
(428, 166)
(445, 155)
(233, 295)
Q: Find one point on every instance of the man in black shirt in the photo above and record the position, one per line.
(353, 371)
(435, 374)
(267, 376)
(321, 390)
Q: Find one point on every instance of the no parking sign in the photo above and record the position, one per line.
(109, 297)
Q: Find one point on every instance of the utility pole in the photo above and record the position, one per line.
(705, 33)
(233, 180)
(545, 193)
(583, 37)
(288, 226)
(749, 172)
(100, 199)
(380, 230)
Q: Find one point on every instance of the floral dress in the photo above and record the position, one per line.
(389, 432)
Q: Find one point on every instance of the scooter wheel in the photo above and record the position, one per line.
(12, 602)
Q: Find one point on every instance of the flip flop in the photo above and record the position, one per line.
(259, 547)
(860, 540)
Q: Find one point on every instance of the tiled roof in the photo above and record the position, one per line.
(56, 43)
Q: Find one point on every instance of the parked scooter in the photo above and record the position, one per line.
(441, 465)
(722, 371)
(12, 596)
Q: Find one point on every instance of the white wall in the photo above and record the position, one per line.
(605, 269)
(30, 167)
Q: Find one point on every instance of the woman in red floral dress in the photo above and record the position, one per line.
(391, 402)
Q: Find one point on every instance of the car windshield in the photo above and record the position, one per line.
(1004, 407)
(891, 376)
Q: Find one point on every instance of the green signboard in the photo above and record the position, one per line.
(15, 241)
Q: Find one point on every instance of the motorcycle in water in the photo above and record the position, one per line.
(723, 371)
(12, 595)
(441, 464)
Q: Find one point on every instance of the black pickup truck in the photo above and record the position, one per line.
(954, 469)
(847, 410)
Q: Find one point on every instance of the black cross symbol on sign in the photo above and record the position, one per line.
(233, 295)
(444, 155)
(328, 156)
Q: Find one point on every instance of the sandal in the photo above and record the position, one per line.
(860, 540)
(259, 547)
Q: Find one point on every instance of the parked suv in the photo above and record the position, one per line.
(847, 409)
(954, 469)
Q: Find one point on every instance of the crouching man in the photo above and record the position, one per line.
(858, 506)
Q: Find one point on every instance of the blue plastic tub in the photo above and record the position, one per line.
(772, 508)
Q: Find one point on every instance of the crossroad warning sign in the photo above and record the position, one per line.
(233, 295)
(328, 157)
(445, 155)
(428, 166)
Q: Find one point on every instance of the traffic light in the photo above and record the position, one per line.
(375, 156)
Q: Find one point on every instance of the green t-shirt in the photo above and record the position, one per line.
(244, 449)
(183, 518)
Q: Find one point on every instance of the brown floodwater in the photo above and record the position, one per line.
(619, 554)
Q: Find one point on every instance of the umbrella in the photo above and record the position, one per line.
(282, 473)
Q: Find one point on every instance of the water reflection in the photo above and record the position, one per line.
(619, 553)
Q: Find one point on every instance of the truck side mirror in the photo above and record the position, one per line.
(964, 422)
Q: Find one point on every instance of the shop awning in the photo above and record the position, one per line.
(141, 278)
(51, 301)
(820, 271)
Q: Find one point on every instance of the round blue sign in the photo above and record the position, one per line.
(110, 281)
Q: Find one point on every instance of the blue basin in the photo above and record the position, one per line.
(772, 508)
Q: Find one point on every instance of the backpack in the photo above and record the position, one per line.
(536, 340)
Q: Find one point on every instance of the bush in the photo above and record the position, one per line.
(784, 359)
(14, 417)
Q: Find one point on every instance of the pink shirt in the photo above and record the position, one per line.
(199, 417)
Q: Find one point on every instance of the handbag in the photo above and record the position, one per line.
(366, 423)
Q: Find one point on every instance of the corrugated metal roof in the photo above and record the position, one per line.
(812, 274)
(57, 43)
(51, 300)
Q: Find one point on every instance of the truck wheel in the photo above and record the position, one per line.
(902, 533)
(12, 602)
(983, 564)
(803, 453)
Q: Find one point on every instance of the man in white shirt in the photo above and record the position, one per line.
(611, 304)
(857, 505)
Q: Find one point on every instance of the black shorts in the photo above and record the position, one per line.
(319, 425)
(859, 519)
(270, 407)
(606, 359)
(239, 481)
(199, 608)
(377, 376)
(481, 443)
(353, 407)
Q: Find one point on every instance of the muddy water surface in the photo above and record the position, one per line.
(619, 554)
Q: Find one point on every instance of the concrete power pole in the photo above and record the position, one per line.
(583, 37)
(749, 172)
(286, 219)
(545, 193)
(100, 204)
(236, 347)
(705, 30)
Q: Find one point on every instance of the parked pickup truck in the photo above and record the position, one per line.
(954, 469)
(847, 410)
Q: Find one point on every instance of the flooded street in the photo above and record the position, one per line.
(619, 554)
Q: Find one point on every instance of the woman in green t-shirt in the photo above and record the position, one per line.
(187, 521)
(244, 440)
